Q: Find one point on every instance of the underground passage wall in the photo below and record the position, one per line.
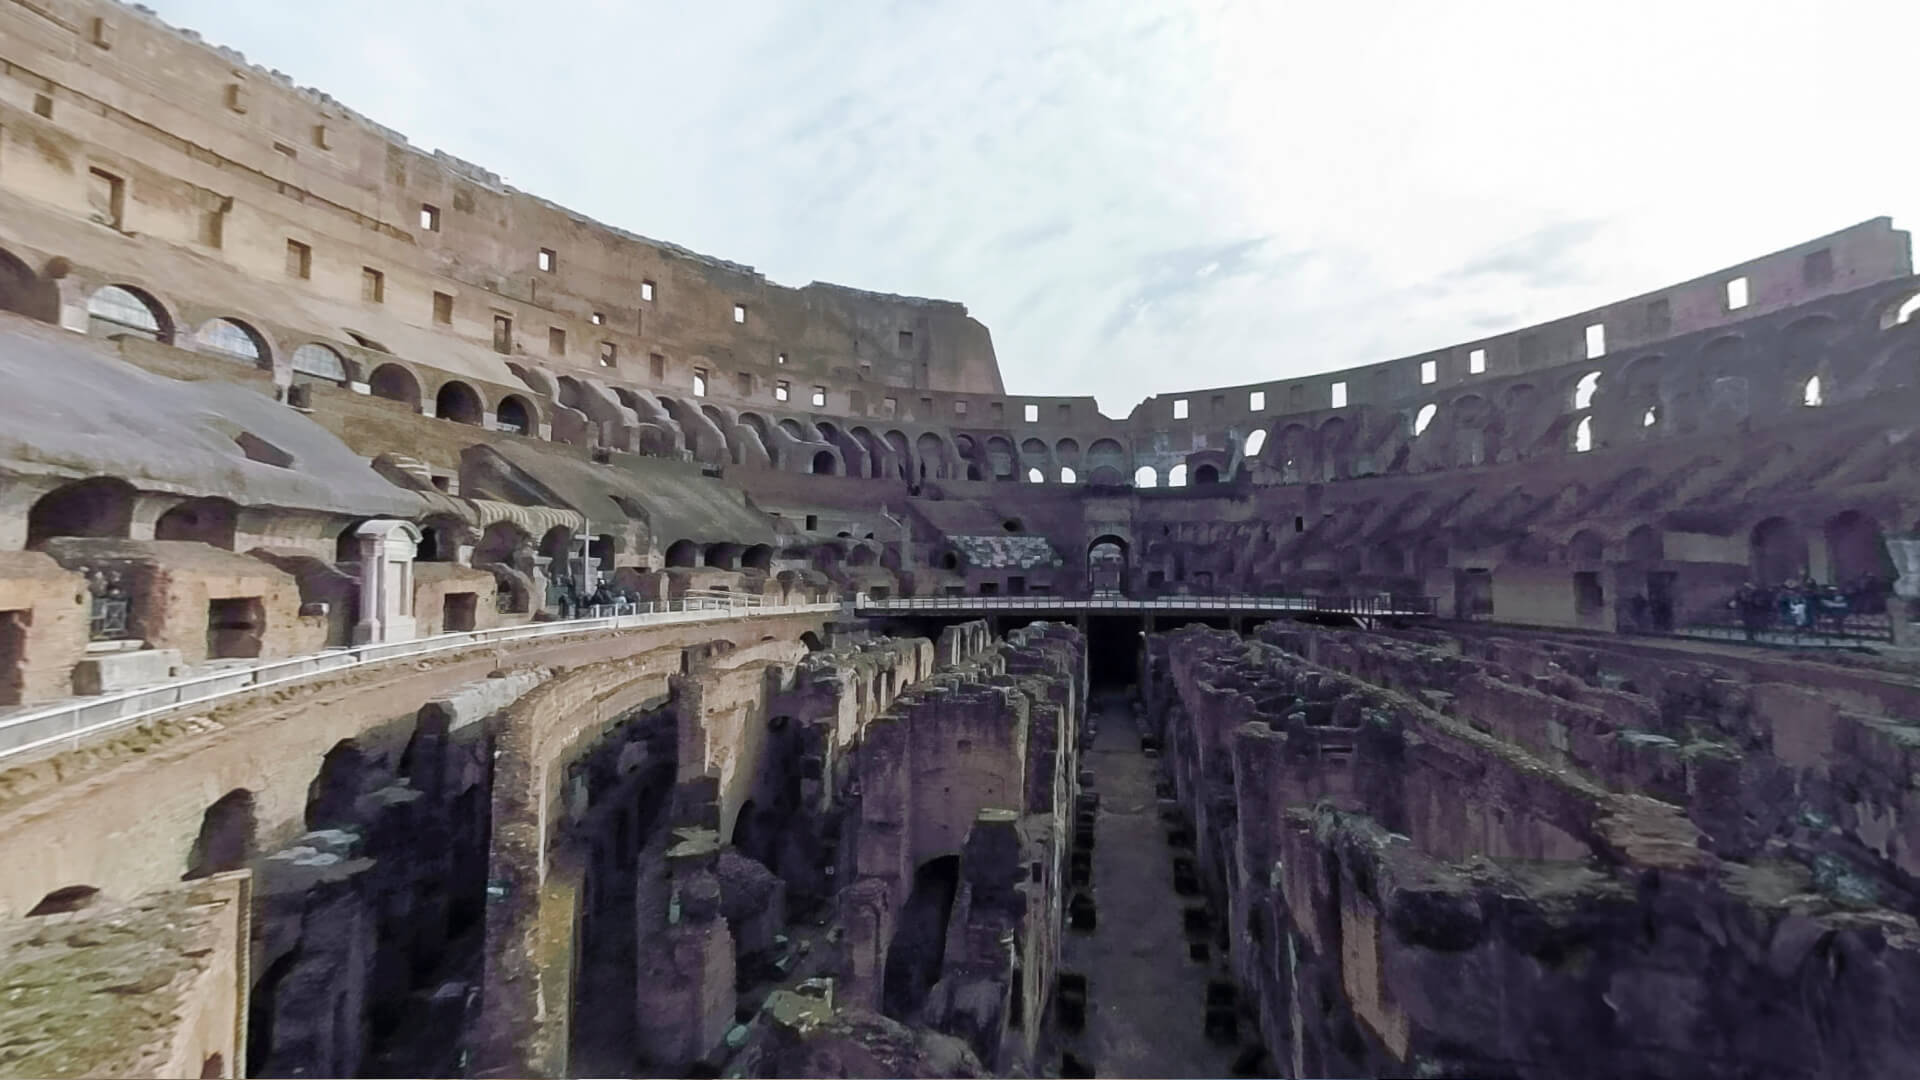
(1640, 863)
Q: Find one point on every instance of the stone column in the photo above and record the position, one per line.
(387, 549)
(1902, 605)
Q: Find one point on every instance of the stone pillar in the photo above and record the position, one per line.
(387, 549)
(1905, 601)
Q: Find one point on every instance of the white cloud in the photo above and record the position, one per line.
(1138, 197)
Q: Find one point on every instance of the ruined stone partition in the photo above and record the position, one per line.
(1468, 855)
(964, 796)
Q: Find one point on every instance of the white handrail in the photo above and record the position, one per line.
(77, 719)
(1336, 605)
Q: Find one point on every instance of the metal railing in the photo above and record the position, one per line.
(1333, 605)
(83, 717)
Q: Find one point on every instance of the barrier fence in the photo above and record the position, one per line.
(1332, 605)
(71, 721)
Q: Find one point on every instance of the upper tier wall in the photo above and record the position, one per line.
(132, 153)
(232, 162)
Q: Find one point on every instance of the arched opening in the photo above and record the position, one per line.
(61, 901)
(1778, 552)
(917, 951)
(1643, 544)
(459, 403)
(514, 415)
(234, 339)
(1256, 442)
(1586, 548)
(123, 309)
(395, 383)
(1177, 476)
(1145, 477)
(501, 543)
(825, 464)
(1905, 312)
(1857, 551)
(683, 553)
(209, 521)
(320, 362)
(1068, 476)
(1206, 474)
(757, 557)
(1035, 476)
(722, 556)
(1810, 395)
(1107, 565)
(812, 641)
(336, 787)
(101, 507)
(1584, 390)
(226, 836)
(1424, 417)
(1583, 435)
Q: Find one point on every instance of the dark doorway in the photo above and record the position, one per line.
(458, 612)
(1472, 594)
(1113, 650)
(235, 627)
(226, 836)
(919, 943)
(1660, 599)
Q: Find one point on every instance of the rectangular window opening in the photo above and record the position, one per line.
(1596, 341)
(1477, 362)
(906, 340)
(556, 341)
(743, 383)
(1736, 294)
(1179, 408)
(43, 106)
(443, 308)
(646, 291)
(699, 382)
(889, 406)
(373, 285)
(1817, 268)
(1257, 401)
(549, 260)
(1032, 413)
(107, 197)
(1339, 395)
(740, 314)
(502, 333)
(780, 359)
(1429, 372)
(820, 397)
(609, 354)
(429, 217)
(657, 367)
(598, 318)
(299, 260)
(959, 408)
(782, 390)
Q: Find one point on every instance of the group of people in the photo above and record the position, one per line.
(1803, 605)
(565, 599)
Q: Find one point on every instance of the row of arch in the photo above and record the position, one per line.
(1718, 376)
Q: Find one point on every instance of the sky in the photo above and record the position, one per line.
(1143, 197)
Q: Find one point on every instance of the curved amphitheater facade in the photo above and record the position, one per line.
(441, 634)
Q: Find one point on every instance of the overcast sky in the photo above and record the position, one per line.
(1141, 197)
